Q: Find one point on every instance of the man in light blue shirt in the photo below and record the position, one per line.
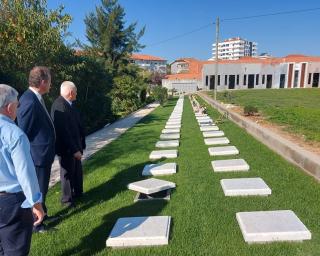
(19, 188)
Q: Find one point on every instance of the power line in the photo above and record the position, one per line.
(233, 19)
(271, 14)
(182, 35)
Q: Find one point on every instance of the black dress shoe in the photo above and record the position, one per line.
(41, 228)
(51, 218)
(68, 204)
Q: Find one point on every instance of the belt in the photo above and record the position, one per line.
(3, 193)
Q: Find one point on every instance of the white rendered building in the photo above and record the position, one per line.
(292, 71)
(234, 48)
(151, 63)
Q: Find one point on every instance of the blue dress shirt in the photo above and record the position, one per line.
(17, 172)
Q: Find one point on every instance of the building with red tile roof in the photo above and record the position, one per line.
(149, 62)
(292, 71)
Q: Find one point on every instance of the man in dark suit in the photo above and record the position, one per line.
(34, 119)
(70, 142)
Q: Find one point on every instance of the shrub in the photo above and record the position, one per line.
(250, 110)
(160, 94)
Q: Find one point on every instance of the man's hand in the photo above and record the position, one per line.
(77, 155)
(38, 213)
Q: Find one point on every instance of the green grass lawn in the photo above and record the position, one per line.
(203, 219)
(298, 110)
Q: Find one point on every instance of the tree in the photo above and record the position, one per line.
(29, 35)
(109, 38)
(125, 95)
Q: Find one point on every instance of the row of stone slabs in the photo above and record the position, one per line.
(152, 230)
(259, 226)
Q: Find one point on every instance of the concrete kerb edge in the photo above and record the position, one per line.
(306, 160)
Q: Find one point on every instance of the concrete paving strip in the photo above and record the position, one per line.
(104, 136)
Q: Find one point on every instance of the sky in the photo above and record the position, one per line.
(278, 35)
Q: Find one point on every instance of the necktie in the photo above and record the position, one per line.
(44, 106)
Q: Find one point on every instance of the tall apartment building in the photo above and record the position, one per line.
(234, 48)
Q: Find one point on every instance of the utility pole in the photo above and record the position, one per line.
(216, 59)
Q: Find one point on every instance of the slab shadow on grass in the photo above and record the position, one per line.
(96, 240)
(102, 192)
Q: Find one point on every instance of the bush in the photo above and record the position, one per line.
(250, 110)
(160, 94)
(150, 99)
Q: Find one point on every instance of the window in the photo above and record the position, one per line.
(218, 79)
(244, 79)
(309, 78)
(237, 79)
(263, 79)
(207, 80)
(315, 82)
(225, 79)
(257, 79)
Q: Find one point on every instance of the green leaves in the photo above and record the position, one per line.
(109, 38)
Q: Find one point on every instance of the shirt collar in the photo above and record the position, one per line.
(36, 93)
(70, 102)
(6, 118)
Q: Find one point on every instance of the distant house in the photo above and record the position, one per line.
(151, 63)
(292, 71)
(185, 75)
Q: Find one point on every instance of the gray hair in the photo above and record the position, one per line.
(7, 95)
(66, 87)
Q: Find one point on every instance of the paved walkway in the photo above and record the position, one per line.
(103, 137)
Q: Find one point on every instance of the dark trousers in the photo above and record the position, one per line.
(71, 177)
(15, 225)
(43, 174)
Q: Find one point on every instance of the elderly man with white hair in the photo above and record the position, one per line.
(19, 188)
(69, 143)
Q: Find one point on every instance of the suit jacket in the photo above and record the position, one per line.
(37, 125)
(68, 128)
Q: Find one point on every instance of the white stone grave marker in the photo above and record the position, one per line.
(150, 186)
(170, 136)
(223, 151)
(158, 154)
(272, 226)
(230, 165)
(245, 187)
(216, 141)
(159, 169)
(140, 231)
(209, 134)
(167, 144)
